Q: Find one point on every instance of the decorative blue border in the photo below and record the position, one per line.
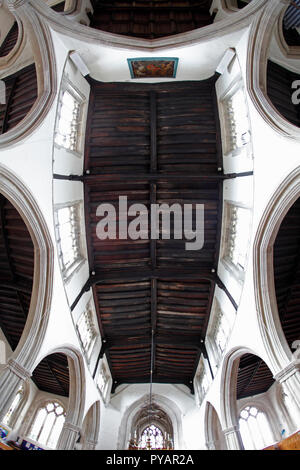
(152, 59)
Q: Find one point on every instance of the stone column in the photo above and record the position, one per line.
(233, 438)
(68, 436)
(10, 381)
(289, 378)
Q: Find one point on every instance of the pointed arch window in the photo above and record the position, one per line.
(151, 438)
(255, 429)
(48, 424)
(15, 405)
(68, 237)
(87, 331)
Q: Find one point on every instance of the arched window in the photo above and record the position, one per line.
(151, 438)
(47, 424)
(255, 429)
(8, 418)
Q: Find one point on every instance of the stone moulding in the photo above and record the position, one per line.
(38, 33)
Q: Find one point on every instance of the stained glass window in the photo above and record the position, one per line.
(151, 438)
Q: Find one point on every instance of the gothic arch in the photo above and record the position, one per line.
(21, 362)
(91, 427)
(214, 437)
(272, 334)
(257, 56)
(114, 40)
(32, 28)
(168, 406)
(75, 410)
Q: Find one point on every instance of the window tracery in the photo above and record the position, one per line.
(48, 424)
(68, 237)
(255, 429)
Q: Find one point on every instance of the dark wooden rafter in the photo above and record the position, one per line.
(286, 259)
(10, 40)
(254, 376)
(153, 143)
(21, 94)
(150, 19)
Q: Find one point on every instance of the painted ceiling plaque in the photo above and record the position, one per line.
(159, 67)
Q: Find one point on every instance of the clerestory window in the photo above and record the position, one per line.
(87, 331)
(68, 237)
(68, 123)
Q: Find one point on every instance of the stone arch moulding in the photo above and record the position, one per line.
(210, 418)
(290, 52)
(229, 416)
(257, 55)
(76, 30)
(37, 32)
(7, 61)
(22, 359)
(168, 406)
(74, 416)
(92, 427)
(277, 348)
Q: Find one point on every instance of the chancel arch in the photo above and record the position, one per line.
(137, 418)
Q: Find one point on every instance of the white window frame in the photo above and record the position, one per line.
(10, 416)
(201, 374)
(247, 408)
(44, 406)
(88, 314)
(67, 272)
(227, 121)
(237, 270)
(217, 317)
(80, 99)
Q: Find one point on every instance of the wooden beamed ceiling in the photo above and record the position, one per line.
(21, 94)
(287, 273)
(150, 19)
(148, 142)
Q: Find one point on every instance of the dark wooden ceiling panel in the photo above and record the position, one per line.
(280, 91)
(21, 94)
(152, 18)
(52, 375)
(287, 273)
(154, 144)
(254, 376)
(10, 40)
(16, 272)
